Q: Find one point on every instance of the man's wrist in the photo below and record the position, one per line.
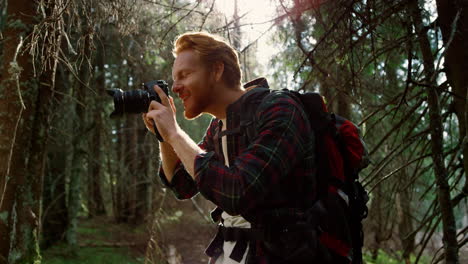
(185, 149)
(174, 137)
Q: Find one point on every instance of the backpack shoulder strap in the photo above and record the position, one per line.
(249, 110)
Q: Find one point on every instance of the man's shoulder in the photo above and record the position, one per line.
(214, 123)
(212, 126)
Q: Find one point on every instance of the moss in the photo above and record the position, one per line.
(17, 24)
(37, 250)
(4, 216)
(61, 254)
(32, 253)
(14, 255)
(24, 235)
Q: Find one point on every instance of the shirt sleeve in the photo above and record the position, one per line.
(269, 158)
(182, 185)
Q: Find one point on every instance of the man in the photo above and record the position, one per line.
(251, 181)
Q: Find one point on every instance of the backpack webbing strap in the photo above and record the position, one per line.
(249, 111)
(250, 103)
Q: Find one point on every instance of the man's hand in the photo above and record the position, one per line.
(179, 144)
(163, 115)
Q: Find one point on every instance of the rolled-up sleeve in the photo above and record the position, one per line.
(282, 133)
(182, 184)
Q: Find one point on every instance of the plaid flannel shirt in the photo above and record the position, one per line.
(273, 173)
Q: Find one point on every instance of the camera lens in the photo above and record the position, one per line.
(136, 101)
(129, 102)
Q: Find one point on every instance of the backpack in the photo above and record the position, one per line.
(341, 204)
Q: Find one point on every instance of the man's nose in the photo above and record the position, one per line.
(176, 88)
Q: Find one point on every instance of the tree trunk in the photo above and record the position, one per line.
(126, 194)
(54, 204)
(95, 198)
(142, 183)
(342, 103)
(436, 132)
(236, 33)
(25, 107)
(11, 113)
(405, 216)
(455, 37)
(120, 194)
(79, 148)
(55, 211)
(95, 160)
(18, 209)
(131, 161)
(374, 223)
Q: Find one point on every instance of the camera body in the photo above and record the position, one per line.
(136, 101)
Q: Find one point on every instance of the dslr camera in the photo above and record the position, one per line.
(137, 101)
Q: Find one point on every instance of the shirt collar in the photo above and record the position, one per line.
(249, 86)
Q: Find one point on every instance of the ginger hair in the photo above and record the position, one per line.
(212, 49)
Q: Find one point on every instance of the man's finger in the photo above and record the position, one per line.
(162, 95)
(172, 104)
(154, 105)
(147, 122)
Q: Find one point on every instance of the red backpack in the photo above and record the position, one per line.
(341, 204)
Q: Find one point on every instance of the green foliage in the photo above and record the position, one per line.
(176, 216)
(396, 258)
(94, 235)
(91, 234)
(89, 255)
(374, 61)
(4, 216)
(17, 24)
(363, 51)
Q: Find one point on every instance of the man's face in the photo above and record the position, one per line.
(192, 83)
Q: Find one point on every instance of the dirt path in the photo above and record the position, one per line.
(190, 234)
(182, 231)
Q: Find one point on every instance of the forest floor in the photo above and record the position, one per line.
(188, 232)
(182, 232)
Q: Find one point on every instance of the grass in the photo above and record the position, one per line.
(102, 242)
(384, 258)
(89, 255)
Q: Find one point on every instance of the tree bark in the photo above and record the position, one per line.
(95, 160)
(54, 202)
(95, 198)
(405, 216)
(120, 195)
(25, 107)
(11, 113)
(436, 132)
(453, 22)
(79, 148)
(55, 212)
(377, 222)
(236, 33)
(131, 162)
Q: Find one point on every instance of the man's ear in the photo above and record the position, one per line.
(218, 70)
